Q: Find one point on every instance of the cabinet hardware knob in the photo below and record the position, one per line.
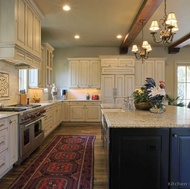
(10, 122)
(175, 135)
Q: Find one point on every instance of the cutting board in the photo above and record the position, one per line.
(23, 98)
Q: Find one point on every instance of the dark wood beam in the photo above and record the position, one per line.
(175, 47)
(145, 12)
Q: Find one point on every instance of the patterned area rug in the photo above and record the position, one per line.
(66, 163)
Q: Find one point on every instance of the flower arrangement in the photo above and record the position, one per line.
(156, 94)
(150, 93)
(140, 95)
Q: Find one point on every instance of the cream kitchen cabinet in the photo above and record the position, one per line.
(8, 143)
(65, 111)
(57, 117)
(47, 65)
(154, 68)
(77, 111)
(115, 87)
(47, 123)
(85, 111)
(20, 32)
(117, 61)
(92, 111)
(4, 156)
(13, 139)
(84, 73)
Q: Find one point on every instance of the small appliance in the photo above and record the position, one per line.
(64, 94)
(95, 97)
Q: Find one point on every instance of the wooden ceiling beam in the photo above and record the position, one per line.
(175, 47)
(145, 12)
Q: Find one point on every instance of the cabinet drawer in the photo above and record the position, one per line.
(4, 163)
(118, 70)
(3, 124)
(77, 103)
(108, 62)
(3, 140)
(126, 62)
(92, 103)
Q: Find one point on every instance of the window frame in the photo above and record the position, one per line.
(180, 63)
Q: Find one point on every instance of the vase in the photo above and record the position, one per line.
(143, 106)
(157, 110)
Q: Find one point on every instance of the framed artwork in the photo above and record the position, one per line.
(4, 85)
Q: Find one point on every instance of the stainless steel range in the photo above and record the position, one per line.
(30, 131)
(30, 128)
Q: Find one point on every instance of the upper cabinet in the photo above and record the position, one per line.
(84, 72)
(117, 65)
(20, 33)
(46, 70)
(153, 67)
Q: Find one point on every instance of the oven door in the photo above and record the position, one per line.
(31, 136)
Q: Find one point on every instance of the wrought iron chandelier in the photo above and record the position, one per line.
(167, 26)
(143, 51)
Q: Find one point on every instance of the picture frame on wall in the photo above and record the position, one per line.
(4, 85)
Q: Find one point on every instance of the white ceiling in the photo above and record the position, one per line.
(99, 21)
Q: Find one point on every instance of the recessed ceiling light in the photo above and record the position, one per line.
(119, 36)
(66, 8)
(77, 36)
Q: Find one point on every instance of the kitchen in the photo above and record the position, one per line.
(61, 69)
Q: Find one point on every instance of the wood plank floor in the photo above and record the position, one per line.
(100, 155)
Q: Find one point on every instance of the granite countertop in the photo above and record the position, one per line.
(173, 117)
(7, 114)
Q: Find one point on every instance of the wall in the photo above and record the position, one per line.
(13, 83)
(61, 66)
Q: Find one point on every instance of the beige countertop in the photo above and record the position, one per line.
(173, 117)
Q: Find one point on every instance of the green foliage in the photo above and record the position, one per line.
(140, 95)
(173, 101)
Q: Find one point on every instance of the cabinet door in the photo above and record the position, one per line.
(129, 85)
(74, 77)
(92, 113)
(119, 85)
(139, 74)
(107, 89)
(13, 139)
(148, 69)
(94, 74)
(20, 24)
(77, 113)
(37, 36)
(29, 28)
(83, 73)
(180, 157)
(138, 158)
(159, 71)
(65, 111)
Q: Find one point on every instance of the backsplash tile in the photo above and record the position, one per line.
(14, 97)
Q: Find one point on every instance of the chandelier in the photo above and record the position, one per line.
(143, 51)
(167, 26)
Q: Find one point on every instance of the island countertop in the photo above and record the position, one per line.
(173, 117)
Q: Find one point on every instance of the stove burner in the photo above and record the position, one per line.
(18, 107)
(10, 109)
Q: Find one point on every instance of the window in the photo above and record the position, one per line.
(23, 79)
(183, 82)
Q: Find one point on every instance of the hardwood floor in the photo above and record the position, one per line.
(100, 155)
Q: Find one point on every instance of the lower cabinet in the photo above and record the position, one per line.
(52, 118)
(65, 111)
(8, 143)
(149, 158)
(84, 111)
(179, 158)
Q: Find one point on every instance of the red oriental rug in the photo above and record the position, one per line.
(66, 163)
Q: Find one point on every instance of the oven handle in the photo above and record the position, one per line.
(27, 125)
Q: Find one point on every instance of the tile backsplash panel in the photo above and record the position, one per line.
(14, 97)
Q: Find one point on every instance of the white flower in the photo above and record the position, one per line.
(155, 91)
